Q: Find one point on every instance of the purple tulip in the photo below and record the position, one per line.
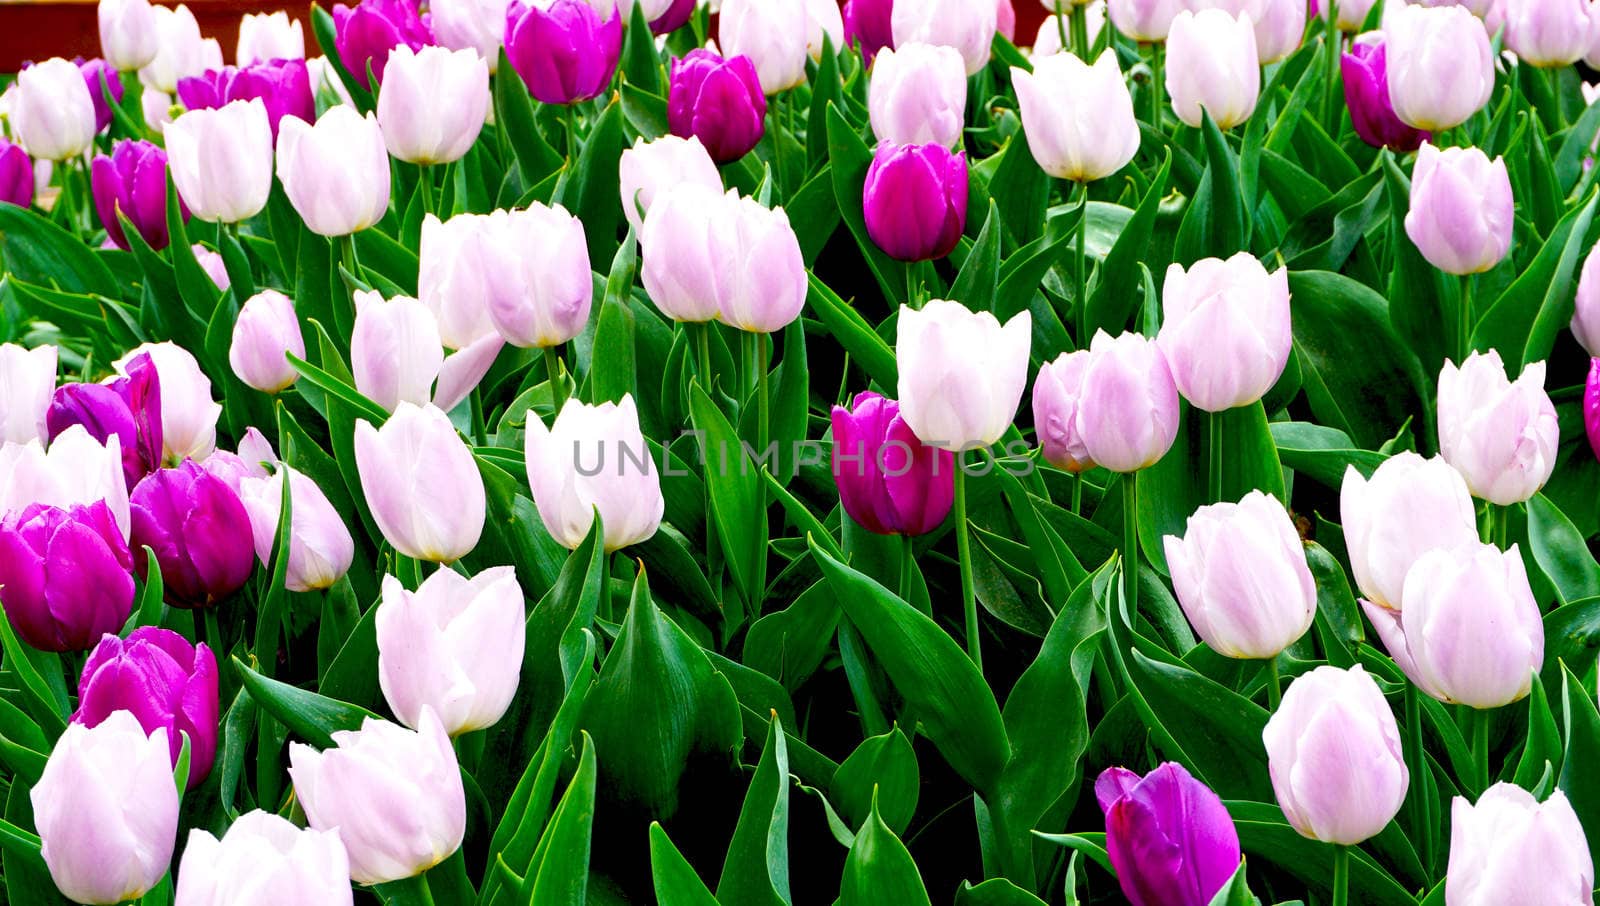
(915, 200)
(165, 682)
(128, 407)
(674, 18)
(365, 34)
(284, 86)
(1591, 407)
(564, 53)
(93, 72)
(718, 101)
(889, 481)
(192, 520)
(1366, 93)
(133, 181)
(16, 175)
(1169, 836)
(867, 22)
(66, 574)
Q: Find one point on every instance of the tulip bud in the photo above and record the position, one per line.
(222, 160)
(264, 37)
(1499, 434)
(107, 811)
(890, 482)
(1471, 632)
(53, 113)
(918, 95)
(1241, 575)
(719, 102)
(433, 104)
(1366, 94)
(1225, 330)
(1212, 64)
(1510, 848)
(101, 79)
(365, 34)
(128, 37)
(188, 414)
(454, 645)
(565, 51)
(16, 175)
(128, 408)
(181, 50)
(1057, 400)
(336, 173)
(263, 860)
(422, 484)
(283, 86)
(681, 259)
(265, 334)
(541, 287)
(1461, 213)
(915, 200)
(156, 106)
(212, 264)
(133, 182)
(1145, 21)
(66, 574)
(454, 281)
(1168, 835)
(764, 275)
(1547, 33)
(320, 547)
(28, 377)
(1408, 507)
(470, 25)
(249, 462)
(947, 345)
(1591, 407)
(78, 470)
(395, 351)
(824, 23)
(1432, 90)
(772, 33)
(648, 168)
(394, 795)
(1586, 307)
(191, 519)
(867, 23)
(594, 458)
(163, 681)
(1128, 406)
(1079, 118)
(966, 25)
(1280, 29)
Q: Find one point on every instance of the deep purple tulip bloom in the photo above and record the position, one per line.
(719, 101)
(66, 573)
(284, 86)
(128, 407)
(673, 19)
(565, 53)
(365, 34)
(889, 481)
(192, 519)
(93, 71)
(915, 200)
(1591, 407)
(16, 175)
(1366, 93)
(165, 682)
(867, 23)
(133, 180)
(1170, 839)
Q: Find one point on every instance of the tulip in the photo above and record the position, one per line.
(422, 484)
(454, 281)
(53, 113)
(1225, 330)
(1432, 90)
(16, 175)
(648, 168)
(915, 200)
(867, 23)
(1212, 65)
(264, 860)
(66, 574)
(961, 373)
(1351, 14)
(132, 182)
(156, 106)
(394, 795)
(890, 482)
(540, 283)
(1471, 632)
(249, 462)
(1548, 33)
(265, 334)
(665, 16)
(128, 38)
(1169, 837)
(222, 160)
(320, 547)
(824, 24)
(1128, 404)
(470, 25)
(718, 101)
(1005, 20)
(1241, 575)
(454, 645)
(1333, 751)
(1079, 118)
(107, 811)
(191, 520)
(1366, 93)
(1057, 400)
(336, 173)
(283, 86)
(164, 682)
(395, 351)
(28, 377)
(188, 414)
(365, 34)
(1461, 213)
(1047, 42)
(1586, 306)
(212, 264)
(764, 281)
(182, 51)
(101, 80)
(1408, 507)
(1145, 21)
(594, 458)
(433, 104)
(78, 470)
(1591, 407)
(1280, 29)
(264, 37)
(1501, 435)
(681, 261)
(1511, 848)
(565, 51)
(967, 26)
(128, 408)
(326, 86)
(918, 95)
(772, 33)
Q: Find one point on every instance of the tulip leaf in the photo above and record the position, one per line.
(1115, 298)
(848, 160)
(27, 879)
(1575, 146)
(641, 62)
(879, 869)
(1580, 749)
(147, 607)
(854, 334)
(645, 111)
(1523, 322)
(309, 715)
(1236, 892)
(513, 111)
(756, 869)
(884, 766)
(737, 496)
(559, 875)
(1561, 552)
(1021, 189)
(790, 644)
(612, 371)
(1321, 453)
(995, 892)
(1571, 635)
(273, 598)
(1265, 835)
(979, 278)
(23, 746)
(1543, 750)
(674, 879)
(37, 251)
(38, 699)
(826, 91)
(1216, 223)
(594, 186)
(1418, 292)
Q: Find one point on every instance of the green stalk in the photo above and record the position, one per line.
(413, 891)
(1077, 494)
(347, 250)
(1213, 458)
(1464, 323)
(1080, 31)
(1130, 542)
(1502, 525)
(1480, 749)
(777, 143)
(1061, 29)
(480, 431)
(1082, 273)
(1416, 762)
(558, 387)
(1331, 73)
(763, 395)
(425, 186)
(907, 551)
(1274, 687)
(969, 597)
(1158, 88)
(1341, 876)
(700, 336)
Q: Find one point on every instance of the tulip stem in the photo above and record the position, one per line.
(1130, 543)
(763, 396)
(907, 552)
(1082, 273)
(1080, 31)
(1464, 323)
(1341, 875)
(1274, 689)
(1331, 73)
(1213, 458)
(700, 335)
(1157, 88)
(1480, 749)
(558, 387)
(412, 891)
(1061, 29)
(425, 186)
(969, 598)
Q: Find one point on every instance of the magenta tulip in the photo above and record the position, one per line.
(890, 482)
(199, 530)
(284, 86)
(66, 575)
(165, 682)
(133, 182)
(564, 52)
(1169, 836)
(364, 34)
(16, 175)
(1366, 93)
(718, 101)
(128, 407)
(915, 200)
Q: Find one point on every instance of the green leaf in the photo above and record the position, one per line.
(756, 869)
(1524, 321)
(825, 92)
(1543, 750)
(1571, 634)
(995, 892)
(737, 499)
(1021, 190)
(1264, 835)
(641, 62)
(1216, 223)
(854, 333)
(848, 160)
(322, 25)
(147, 608)
(559, 875)
(1580, 746)
(1321, 453)
(312, 717)
(594, 188)
(40, 702)
(1561, 552)
(612, 370)
(1236, 892)
(513, 112)
(790, 644)
(979, 279)
(674, 879)
(882, 767)
(37, 251)
(879, 870)
(1115, 298)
